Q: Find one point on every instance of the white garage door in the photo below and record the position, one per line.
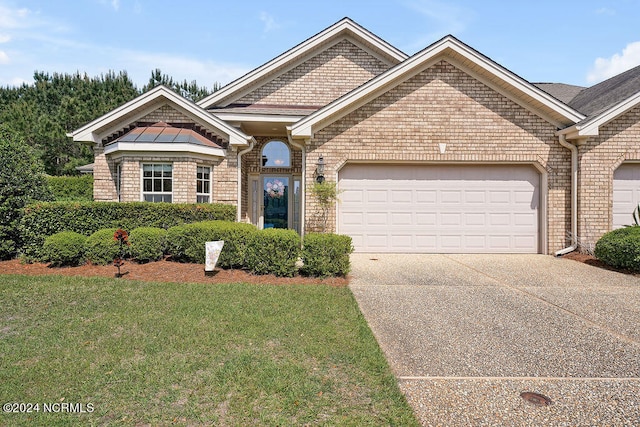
(626, 193)
(440, 208)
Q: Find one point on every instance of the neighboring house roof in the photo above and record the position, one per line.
(561, 91)
(598, 98)
(345, 28)
(148, 102)
(460, 55)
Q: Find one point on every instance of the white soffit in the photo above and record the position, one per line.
(345, 27)
(461, 55)
(148, 102)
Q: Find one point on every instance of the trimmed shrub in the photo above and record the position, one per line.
(186, 243)
(64, 248)
(326, 254)
(147, 243)
(620, 248)
(273, 251)
(102, 248)
(40, 220)
(71, 188)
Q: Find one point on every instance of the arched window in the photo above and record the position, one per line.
(276, 154)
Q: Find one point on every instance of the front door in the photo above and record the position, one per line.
(276, 201)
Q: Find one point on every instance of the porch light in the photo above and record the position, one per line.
(320, 170)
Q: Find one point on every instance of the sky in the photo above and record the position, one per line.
(574, 42)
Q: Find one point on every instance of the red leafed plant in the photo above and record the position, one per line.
(123, 239)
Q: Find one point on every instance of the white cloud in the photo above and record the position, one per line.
(115, 4)
(442, 18)
(4, 58)
(11, 19)
(4, 38)
(140, 64)
(604, 68)
(605, 11)
(269, 21)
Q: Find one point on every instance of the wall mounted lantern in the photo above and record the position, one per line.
(320, 170)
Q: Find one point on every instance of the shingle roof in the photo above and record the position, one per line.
(608, 93)
(291, 110)
(561, 91)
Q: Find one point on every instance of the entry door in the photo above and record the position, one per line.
(276, 203)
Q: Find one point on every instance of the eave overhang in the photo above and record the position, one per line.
(591, 126)
(162, 149)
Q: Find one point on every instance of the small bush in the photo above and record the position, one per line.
(147, 243)
(71, 188)
(620, 248)
(273, 251)
(326, 255)
(65, 248)
(186, 243)
(102, 248)
(40, 220)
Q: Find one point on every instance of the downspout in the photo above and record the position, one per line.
(303, 182)
(574, 196)
(252, 142)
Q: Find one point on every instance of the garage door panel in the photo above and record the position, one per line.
(428, 197)
(626, 193)
(450, 208)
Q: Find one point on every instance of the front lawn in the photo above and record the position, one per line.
(190, 354)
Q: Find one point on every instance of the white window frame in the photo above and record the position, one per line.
(204, 197)
(166, 196)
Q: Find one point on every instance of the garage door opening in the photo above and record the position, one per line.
(440, 208)
(626, 193)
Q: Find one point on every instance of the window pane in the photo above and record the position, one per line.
(199, 187)
(206, 187)
(147, 185)
(276, 154)
(167, 185)
(166, 198)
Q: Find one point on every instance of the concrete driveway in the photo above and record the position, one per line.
(467, 334)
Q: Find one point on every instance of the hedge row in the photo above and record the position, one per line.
(271, 251)
(620, 248)
(71, 188)
(40, 220)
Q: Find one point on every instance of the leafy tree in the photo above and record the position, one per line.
(22, 181)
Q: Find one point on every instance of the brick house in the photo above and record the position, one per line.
(443, 151)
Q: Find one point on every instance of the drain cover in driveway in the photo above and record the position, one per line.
(535, 398)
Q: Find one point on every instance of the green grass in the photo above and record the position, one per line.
(191, 354)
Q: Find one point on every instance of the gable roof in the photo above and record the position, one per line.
(606, 94)
(461, 56)
(148, 102)
(345, 28)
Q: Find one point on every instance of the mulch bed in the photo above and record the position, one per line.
(591, 260)
(164, 271)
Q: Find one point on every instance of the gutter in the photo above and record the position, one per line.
(303, 182)
(252, 142)
(574, 196)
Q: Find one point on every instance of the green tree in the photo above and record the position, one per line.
(189, 90)
(22, 181)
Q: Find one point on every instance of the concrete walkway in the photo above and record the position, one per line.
(467, 334)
